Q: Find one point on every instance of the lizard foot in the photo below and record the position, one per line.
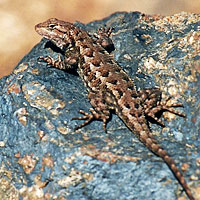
(88, 117)
(103, 35)
(51, 61)
(165, 106)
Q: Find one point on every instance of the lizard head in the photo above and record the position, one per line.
(57, 31)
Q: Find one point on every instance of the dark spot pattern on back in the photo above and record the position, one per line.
(113, 81)
(120, 92)
(105, 73)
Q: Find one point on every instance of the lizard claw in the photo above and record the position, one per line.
(170, 107)
(164, 106)
(88, 117)
(104, 38)
(51, 61)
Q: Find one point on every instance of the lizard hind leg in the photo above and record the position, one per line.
(153, 104)
(166, 106)
(150, 98)
(88, 117)
(100, 112)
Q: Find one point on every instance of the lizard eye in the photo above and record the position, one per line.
(52, 26)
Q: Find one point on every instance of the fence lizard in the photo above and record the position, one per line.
(110, 89)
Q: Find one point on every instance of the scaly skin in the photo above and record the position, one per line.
(109, 87)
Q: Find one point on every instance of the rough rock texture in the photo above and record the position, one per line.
(42, 157)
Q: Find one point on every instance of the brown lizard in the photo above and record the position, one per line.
(109, 87)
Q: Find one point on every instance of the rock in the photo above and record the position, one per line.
(43, 157)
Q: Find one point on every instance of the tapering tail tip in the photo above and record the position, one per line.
(171, 164)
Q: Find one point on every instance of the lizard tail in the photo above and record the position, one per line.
(150, 142)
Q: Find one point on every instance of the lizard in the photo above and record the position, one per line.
(110, 89)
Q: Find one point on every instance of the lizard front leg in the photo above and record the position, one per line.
(71, 59)
(104, 40)
(57, 63)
